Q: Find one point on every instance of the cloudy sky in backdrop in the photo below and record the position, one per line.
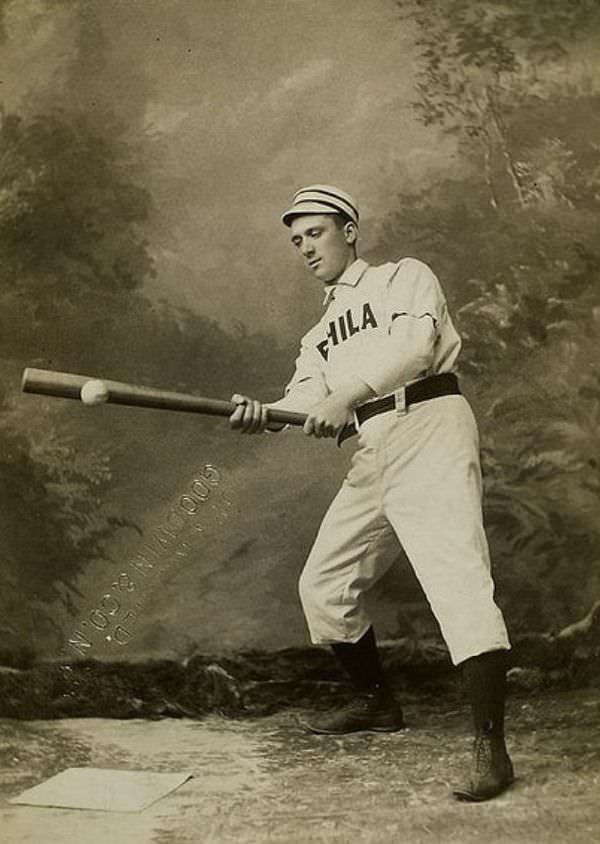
(245, 101)
(231, 106)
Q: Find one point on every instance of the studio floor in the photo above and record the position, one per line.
(266, 780)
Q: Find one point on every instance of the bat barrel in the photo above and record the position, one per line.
(44, 382)
(68, 385)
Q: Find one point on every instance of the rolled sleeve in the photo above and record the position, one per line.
(405, 348)
(415, 291)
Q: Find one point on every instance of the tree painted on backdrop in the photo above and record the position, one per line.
(482, 62)
(73, 260)
(513, 231)
(69, 211)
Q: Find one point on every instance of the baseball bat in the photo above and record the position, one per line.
(68, 385)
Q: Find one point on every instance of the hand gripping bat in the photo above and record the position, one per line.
(91, 390)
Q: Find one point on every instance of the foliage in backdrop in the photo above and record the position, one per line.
(511, 227)
(518, 231)
(73, 260)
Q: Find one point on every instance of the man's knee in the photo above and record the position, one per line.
(317, 593)
(307, 587)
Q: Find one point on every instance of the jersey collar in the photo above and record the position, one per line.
(351, 276)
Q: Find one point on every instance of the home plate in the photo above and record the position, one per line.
(102, 789)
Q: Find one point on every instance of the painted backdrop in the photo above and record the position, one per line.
(147, 150)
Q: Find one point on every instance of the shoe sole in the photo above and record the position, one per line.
(321, 732)
(470, 797)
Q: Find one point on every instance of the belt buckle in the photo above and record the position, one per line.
(400, 402)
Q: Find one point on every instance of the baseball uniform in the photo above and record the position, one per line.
(415, 476)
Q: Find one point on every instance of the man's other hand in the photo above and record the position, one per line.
(328, 417)
(331, 414)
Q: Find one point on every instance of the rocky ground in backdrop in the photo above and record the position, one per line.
(257, 683)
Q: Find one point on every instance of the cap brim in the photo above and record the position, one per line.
(304, 208)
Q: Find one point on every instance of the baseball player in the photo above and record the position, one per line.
(383, 355)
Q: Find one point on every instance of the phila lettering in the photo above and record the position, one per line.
(346, 326)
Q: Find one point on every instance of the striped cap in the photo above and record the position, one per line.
(321, 199)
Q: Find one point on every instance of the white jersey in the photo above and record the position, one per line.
(369, 330)
(415, 475)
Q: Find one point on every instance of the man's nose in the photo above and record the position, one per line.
(307, 248)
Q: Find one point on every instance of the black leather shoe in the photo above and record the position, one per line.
(491, 772)
(373, 711)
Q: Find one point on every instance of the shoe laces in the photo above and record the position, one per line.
(361, 702)
(483, 755)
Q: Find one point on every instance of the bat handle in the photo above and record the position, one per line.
(289, 417)
(286, 417)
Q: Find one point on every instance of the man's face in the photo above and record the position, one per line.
(327, 249)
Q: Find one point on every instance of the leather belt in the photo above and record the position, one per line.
(444, 384)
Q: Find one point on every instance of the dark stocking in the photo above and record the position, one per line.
(485, 676)
(361, 661)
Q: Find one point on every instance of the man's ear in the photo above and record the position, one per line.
(350, 233)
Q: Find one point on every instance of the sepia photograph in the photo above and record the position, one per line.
(299, 421)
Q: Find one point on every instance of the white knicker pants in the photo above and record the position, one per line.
(416, 475)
